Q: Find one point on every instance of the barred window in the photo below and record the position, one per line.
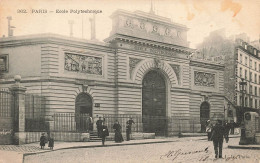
(3, 63)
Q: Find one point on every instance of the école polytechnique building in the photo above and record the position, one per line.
(143, 68)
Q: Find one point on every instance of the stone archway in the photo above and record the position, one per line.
(83, 106)
(154, 103)
(204, 115)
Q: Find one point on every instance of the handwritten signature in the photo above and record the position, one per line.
(175, 154)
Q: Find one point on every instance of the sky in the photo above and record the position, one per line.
(200, 16)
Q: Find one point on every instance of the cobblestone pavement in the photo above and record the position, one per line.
(182, 151)
(19, 148)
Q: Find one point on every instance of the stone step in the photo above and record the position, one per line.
(95, 140)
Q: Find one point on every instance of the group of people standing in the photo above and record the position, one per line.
(102, 130)
(217, 134)
(45, 139)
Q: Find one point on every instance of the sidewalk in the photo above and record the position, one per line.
(16, 153)
(235, 145)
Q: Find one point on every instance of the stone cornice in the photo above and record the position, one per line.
(205, 64)
(125, 38)
(52, 39)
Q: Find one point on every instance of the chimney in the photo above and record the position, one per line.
(93, 27)
(10, 28)
(71, 22)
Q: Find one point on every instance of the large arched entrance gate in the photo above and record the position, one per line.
(154, 103)
(204, 115)
(83, 109)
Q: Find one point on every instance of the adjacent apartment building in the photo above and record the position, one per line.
(242, 69)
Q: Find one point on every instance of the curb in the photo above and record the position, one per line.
(94, 146)
(243, 147)
(229, 138)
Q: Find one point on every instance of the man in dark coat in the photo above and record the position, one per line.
(227, 129)
(218, 132)
(104, 133)
(99, 126)
(129, 128)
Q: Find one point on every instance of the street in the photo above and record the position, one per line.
(185, 150)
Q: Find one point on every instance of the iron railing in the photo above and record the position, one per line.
(155, 124)
(71, 122)
(35, 113)
(6, 104)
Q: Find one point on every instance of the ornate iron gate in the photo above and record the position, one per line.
(6, 117)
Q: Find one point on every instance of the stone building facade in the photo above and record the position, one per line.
(241, 61)
(143, 68)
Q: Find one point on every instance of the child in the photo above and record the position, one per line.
(42, 140)
(51, 142)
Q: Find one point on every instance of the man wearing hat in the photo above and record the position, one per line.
(218, 132)
(208, 129)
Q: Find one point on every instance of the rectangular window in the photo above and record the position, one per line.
(255, 65)
(250, 76)
(3, 63)
(250, 63)
(245, 60)
(250, 89)
(240, 72)
(251, 102)
(245, 74)
(241, 58)
(256, 103)
(256, 91)
(246, 102)
(255, 78)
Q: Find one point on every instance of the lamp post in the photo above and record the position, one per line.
(243, 132)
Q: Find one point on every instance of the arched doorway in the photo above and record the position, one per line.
(83, 106)
(154, 103)
(204, 115)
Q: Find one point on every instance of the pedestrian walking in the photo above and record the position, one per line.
(42, 140)
(218, 132)
(227, 129)
(99, 126)
(232, 127)
(118, 135)
(208, 129)
(104, 133)
(51, 142)
(129, 128)
(90, 124)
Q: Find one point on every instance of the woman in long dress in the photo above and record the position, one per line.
(118, 135)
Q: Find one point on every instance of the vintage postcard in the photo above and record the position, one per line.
(129, 81)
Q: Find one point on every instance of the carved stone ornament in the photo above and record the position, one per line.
(176, 69)
(142, 25)
(204, 79)
(132, 64)
(129, 23)
(83, 64)
(155, 29)
(167, 32)
(158, 63)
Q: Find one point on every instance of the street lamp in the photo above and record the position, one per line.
(243, 132)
